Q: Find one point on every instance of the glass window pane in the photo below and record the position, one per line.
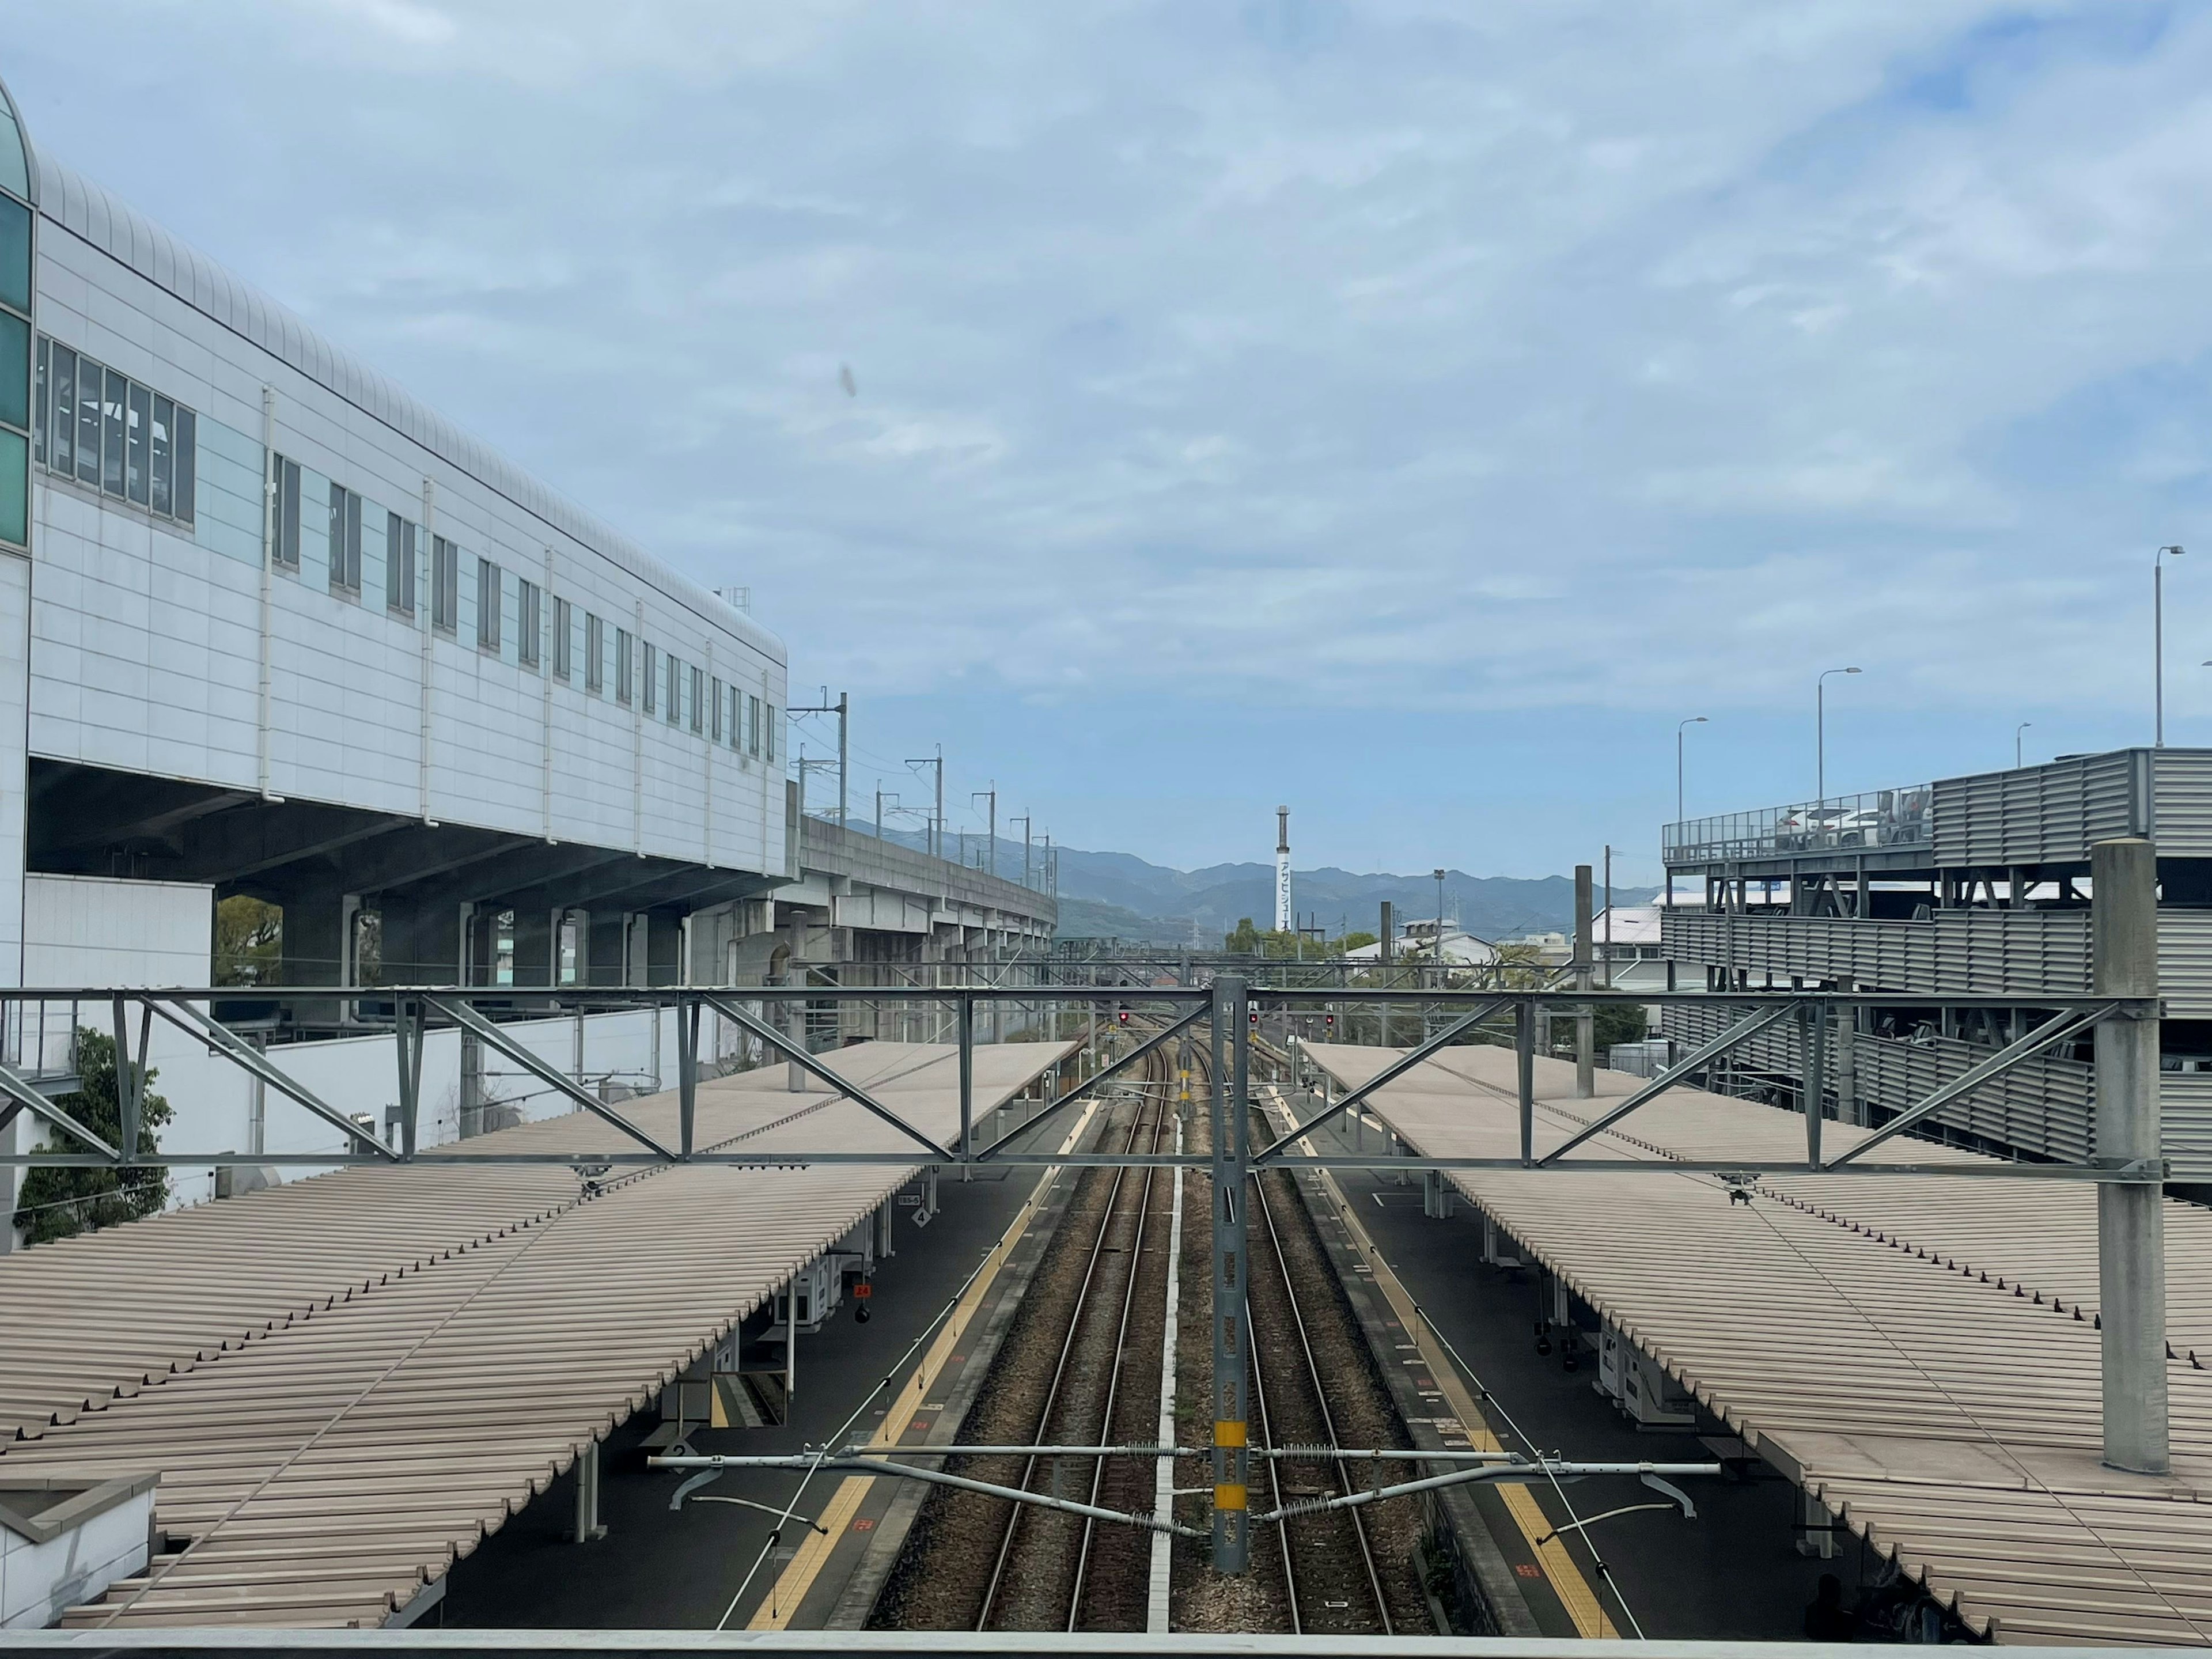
(15, 371)
(113, 397)
(88, 422)
(187, 428)
(39, 410)
(15, 488)
(63, 438)
(165, 424)
(137, 415)
(15, 254)
(14, 167)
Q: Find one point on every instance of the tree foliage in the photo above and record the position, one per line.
(249, 941)
(55, 1203)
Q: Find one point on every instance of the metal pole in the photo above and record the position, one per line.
(1524, 1067)
(2158, 648)
(1811, 1037)
(128, 1084)
(1609, 916)
(407, 1028)
(2130, 1214)
(687, 1072)
(1585, 1016)
(844, 760)
(967, 1085)
(1232, 1544)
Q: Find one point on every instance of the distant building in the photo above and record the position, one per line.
(1417, 942)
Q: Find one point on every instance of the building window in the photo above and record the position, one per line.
(752, 727)
(767, 719)
(138, 424)
(115, 435)
(698, 700)
(20, 394)
(444, 585)
(488, 595)
(346, 540)
(652, 680)
(715, 736)
(398, 564)
(529, 622)
(284, 502)
(675, 690)
(595, 653)
(165, 455)
(563, 648)
(624, 649)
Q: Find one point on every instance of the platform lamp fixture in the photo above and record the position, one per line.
(2158, 642)
(1820, 733)
(2019, 750)
(1440, 916)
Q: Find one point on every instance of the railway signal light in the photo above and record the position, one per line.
(1123, 1014)
(1328, 1025)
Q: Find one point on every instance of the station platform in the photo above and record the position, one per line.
(1917, 1353)
(345, 1384)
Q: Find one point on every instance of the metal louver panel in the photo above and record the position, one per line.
(2181, 802)
(2043, 814)
(2044, 1105)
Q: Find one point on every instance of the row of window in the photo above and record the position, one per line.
(679, 692)
(16, 395)
(110, 432)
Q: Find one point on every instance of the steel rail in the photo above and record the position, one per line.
(1059, 1378)
(1328, 1417)
(1120, 1347)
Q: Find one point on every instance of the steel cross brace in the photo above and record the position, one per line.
(189, 1019)
(2056, 1028)
(1389, 1074)
(1076, 1091)
(470, 1020)
(1751, 1025)
(796, 1052)
(23, 1096)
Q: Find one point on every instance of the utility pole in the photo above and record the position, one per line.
(1585, 1016)
(1609, 916)
(841, 708)
(1024, 820)
(991, 795)
(936, 838)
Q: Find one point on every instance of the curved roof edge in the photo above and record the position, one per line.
(115, 227)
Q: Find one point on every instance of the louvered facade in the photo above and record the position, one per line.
(1988, 896)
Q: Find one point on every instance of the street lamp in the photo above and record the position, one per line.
(1694, 719)
(2158, 642)
(1820, 733)
(2017, 761)
(1440, 913)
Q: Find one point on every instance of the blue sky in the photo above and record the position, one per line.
(1407, 411)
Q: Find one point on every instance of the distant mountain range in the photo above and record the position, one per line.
(1120, 896)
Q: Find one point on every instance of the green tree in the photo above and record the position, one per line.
(249, 941)
(1354, 941)
(1244, 941)
(55, 1203)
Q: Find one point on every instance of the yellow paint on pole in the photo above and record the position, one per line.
(1229, 1434)
(1229, 1497)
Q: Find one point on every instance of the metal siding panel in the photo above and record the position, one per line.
(2181, 794)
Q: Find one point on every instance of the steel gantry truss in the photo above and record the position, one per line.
(2121, 1015)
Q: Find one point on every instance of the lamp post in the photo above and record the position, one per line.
(1440, 914)
(2158, 642)
(1820, 733)
(1694, 719)
(2018, 753)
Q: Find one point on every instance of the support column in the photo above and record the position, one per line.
(588, 1528)
(1846, 1058)
(2130, 1214)
(1232, 1543)
(1585, 1018)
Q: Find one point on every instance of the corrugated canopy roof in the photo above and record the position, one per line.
(1918, 1351)
(346, 1383)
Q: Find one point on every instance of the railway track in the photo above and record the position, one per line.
(1043, 1576)
(1079, 1366)
(1328, 1559)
